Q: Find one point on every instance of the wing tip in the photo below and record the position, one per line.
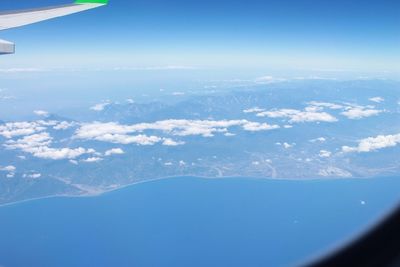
(80, 2)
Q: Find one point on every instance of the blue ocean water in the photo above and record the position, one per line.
(192, 222)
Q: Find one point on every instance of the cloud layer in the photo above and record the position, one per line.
(134, 134)
(374, 143)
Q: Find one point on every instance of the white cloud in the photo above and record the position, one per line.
(170, 142)
(116, 133)
(38, 146)
(326, 105)
(114, 151)
(178, 93)
(59, 154)
(32, 175)
(358, 112)
(325, 154)
(64, 125)
(377, 99)
(21, 70)
(268, 80)
(374, 143)
(5, 96)
(287, 145)
(92, 160)
(319, 139)
(254, 110)
(30, 143)
(8, 168)
(351, 111)
(256, 127)
(13, 129)
(297, 116)
(155, 68)
(100, 106)
(143, 140)
(42, 113)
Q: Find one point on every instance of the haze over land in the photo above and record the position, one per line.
(275, 128)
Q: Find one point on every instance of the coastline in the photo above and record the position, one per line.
(188, 176)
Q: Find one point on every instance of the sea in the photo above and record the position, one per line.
(195, 222)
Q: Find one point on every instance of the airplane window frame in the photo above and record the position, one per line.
(380, 247)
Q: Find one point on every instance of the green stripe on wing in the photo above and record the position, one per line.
(91, 2)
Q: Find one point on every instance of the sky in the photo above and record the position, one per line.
(309, 35)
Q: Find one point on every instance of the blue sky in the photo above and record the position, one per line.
(253, 34)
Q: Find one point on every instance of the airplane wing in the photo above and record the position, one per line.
(9, 20)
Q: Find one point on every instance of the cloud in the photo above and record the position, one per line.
(297, 116)
(100, 106)
(319, 139)
(268, 80)
(358, 112)
(141, 139)
(38, 146)
(116, 133)
(326, 105)
(92, 160)
(351, 111)
(256, 127)
(10, 169)
(314, 112)
(114, 151)
(374, 143)
(64, 125)
(170, 142)
(21, 70)
(13, 129)
(30, 143)
(154, 68)
(32, 175)
(59, 154)
(325, 154)
(377, 99)
(5, 97)
(253, 110)
(178, 93)
(41, 113)
(287, 145)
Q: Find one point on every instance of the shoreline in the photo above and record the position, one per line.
(193, 177)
